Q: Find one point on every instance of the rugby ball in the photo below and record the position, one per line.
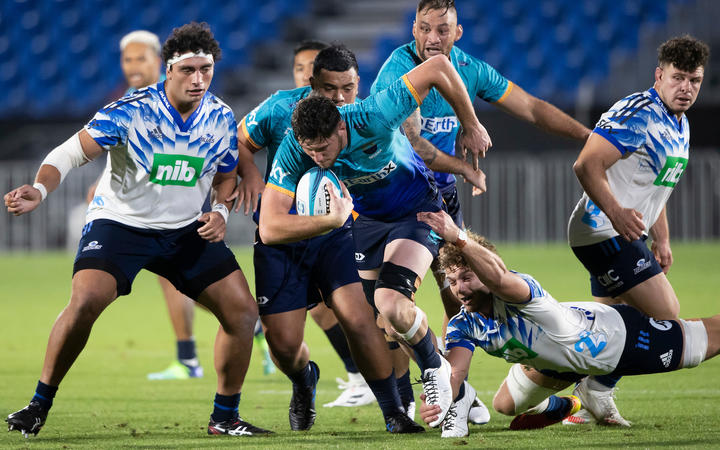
(312, 196)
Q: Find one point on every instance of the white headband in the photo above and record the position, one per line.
(177, 57)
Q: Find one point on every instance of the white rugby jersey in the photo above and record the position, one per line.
(580, 337)
(160, 168)
(654, 147)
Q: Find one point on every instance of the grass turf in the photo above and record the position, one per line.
(106, 400)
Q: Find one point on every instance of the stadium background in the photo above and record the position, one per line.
(59, 63)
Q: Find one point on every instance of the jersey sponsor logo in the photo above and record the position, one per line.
(434, 125)
(176, 170)
(514, 351)
(277, 172)
(368, 179)
(93, 245)
(662, 325)
(666, 358)
(207, 139)
(608, 279)
(641, 265)
(671, 171)
(592, 342)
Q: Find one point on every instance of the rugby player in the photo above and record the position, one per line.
(551, 344)
(168, 145)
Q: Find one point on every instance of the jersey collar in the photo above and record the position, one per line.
(656, 97)
(183, 125)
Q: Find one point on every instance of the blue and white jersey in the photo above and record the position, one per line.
(581, 337)
(385, 177)
(439, 125)
(160, 168)
(654, 146)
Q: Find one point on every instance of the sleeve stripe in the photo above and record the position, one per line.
(507, 92)
(243, 127)
(281, 190)
(412, 90)
(611, 139)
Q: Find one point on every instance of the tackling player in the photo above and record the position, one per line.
(168, 145)
(552, 345)
(628, 168)
(363, 145)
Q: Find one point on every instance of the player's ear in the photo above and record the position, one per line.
(459, 33)
(658, 73)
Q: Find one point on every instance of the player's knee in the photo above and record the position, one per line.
(503, 403)
(399, 279)
(523, 393)
(323, 316)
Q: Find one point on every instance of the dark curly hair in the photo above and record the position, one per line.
(440, 5)
(315, 117)
(335, 58)
(451, 257)
(191, 37)
(684, 52)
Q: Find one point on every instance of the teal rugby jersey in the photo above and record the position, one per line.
(439, 123)
(160, 168)
(383, 174)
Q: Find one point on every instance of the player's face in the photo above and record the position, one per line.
(435, 32)
(303, 66)
(324, 151)
(340, 87)
(466, 286)
(677, 88)
(140, 65)
(188, 80)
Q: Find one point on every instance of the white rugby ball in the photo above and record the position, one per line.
(312, 196)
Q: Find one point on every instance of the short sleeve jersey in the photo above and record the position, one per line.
(383, 174)
(160, 168)
(654, 146)
(439, 125)
(267, 124)
(580, 337)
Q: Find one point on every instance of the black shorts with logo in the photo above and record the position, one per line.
(188, 261)
(616, 265)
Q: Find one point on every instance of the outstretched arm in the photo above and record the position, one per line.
(542, 114)
(590, 168)
(76, 151)
(488, 266)
(251, 182)
(437, 72)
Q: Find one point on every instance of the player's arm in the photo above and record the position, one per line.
(216, 220)
(660, 233)
(438, 160)
(278, 226)
(542, 114)
(75, 152)
(488, 266)
(596, 157)
(437, 72)
(251, 182)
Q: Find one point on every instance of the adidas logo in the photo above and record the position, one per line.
(666, 358)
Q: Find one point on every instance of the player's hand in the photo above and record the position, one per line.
(476, 178)
(662, 252)
(340, 207)
(477, 140)
(22, 200)
(214, 228)
(628, 223)
(441, 223)
(248, 192)
(428, 413)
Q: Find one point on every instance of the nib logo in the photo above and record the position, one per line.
(666, 358)
(178, 170)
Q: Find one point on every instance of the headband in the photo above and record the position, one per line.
(178, 57)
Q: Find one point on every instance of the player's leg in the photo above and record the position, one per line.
(655, 297)
(182, 313)
(528, 395)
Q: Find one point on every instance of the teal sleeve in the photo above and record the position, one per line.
(389, 73)
(488, 84)
(287, 166)
(392, 105)
(256, 126)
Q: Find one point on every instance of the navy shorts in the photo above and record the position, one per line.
(372, 236)
(616, 265)
(651, 346)
(452, 203)
(301, 274)
(188, 261)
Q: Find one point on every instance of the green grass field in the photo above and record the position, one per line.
(107, 402)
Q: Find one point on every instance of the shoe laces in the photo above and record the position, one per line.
(430, 387)
(450, 418)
